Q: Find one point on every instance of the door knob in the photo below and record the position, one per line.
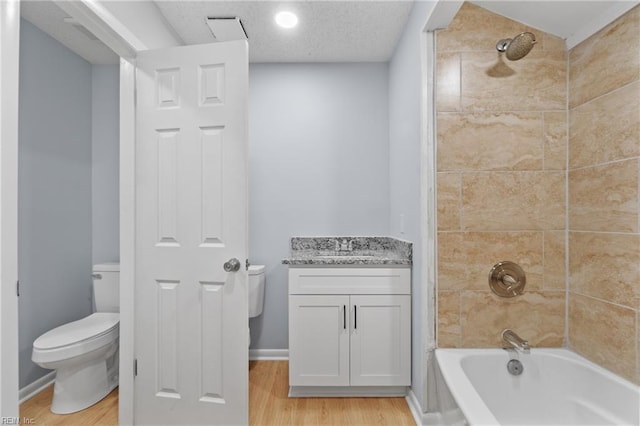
(232, 265)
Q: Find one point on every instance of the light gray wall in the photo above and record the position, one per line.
(54, 186)
(105, 163)
(318, 165)
(404, 169)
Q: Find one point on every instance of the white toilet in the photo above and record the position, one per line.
(85, 352)
(256, 291)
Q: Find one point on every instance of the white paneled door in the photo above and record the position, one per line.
(191, 217)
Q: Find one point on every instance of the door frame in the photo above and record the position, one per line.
(116, 36)
(9, 97)
(111, 32)
(127, 241)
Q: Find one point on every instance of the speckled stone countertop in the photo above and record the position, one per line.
(349, 251)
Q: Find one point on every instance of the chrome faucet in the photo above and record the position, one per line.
(515, 341)
(344, 245)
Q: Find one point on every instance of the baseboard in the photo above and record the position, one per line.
(269, 354)
(421, 419)
(346, 391)
(414, 407)
(37, 386)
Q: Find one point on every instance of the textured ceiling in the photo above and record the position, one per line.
(328, 31)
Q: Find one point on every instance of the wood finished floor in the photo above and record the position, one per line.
(268, 402)
(270, 405)
(37, 409)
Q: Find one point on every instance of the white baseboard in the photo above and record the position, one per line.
(414, 407)
(421, 419)
(346, 391)
(269, 354)
(37, 386)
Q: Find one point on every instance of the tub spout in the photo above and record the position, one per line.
(515, 341)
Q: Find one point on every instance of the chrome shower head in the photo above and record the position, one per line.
(517, 47)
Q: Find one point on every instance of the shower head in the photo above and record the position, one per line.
(517, 47)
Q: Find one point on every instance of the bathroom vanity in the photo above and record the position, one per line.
(349, 316)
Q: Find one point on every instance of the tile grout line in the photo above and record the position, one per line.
(497, 231)
(460, 177)
(460, 203)
(504, 171)
(606, 163)
(610, 92)
(638, 192)
(500, 111)
(543, 142)
(586, 231)
(567, 273)
(460, 339)
(459, 81)
(608, 302)
(529, 231)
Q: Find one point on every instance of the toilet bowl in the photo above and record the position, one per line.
(256, 292)
(84, 353)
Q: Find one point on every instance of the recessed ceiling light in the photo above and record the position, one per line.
(286, 19)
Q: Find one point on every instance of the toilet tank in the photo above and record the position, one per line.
(106, 287)
(256, 290)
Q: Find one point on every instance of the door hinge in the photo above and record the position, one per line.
(135, 87)
(135, 367)
(18, 288)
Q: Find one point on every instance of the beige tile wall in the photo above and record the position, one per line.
(501, 154)
(604, 159)
(502, 140)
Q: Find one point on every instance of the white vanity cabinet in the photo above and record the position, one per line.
(349, 330)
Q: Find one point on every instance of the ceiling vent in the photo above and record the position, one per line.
(227, 29)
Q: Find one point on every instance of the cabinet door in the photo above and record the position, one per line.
(381, 340)
(319, 340)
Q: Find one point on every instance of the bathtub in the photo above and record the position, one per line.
(557, 387)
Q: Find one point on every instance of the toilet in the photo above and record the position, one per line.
(256, 291)
(85, 352)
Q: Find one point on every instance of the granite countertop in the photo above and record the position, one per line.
(349, 251)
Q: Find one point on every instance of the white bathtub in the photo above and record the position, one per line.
(557, 387)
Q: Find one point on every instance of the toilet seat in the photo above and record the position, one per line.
(77, 337)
